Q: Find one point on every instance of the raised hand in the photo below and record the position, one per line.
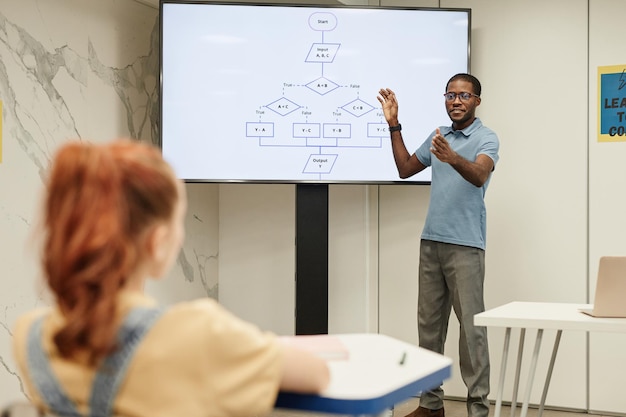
(441, 148)
(387, 99)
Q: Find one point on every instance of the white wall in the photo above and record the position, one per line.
(257, 253)
(607, 203)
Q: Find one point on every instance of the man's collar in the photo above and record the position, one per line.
(476, 124)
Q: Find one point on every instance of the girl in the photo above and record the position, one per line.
(113, 218)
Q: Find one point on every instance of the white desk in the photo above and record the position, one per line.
(540, 316)
(374, 378)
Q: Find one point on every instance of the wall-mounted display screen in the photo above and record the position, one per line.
(287, 94)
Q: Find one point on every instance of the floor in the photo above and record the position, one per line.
(454, 408)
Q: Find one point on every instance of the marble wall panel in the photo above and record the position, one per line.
(88, 70)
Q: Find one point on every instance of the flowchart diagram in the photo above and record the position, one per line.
(330, 131)
(288, 93)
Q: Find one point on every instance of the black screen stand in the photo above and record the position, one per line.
(311, 259)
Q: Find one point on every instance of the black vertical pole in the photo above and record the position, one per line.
(311, 259)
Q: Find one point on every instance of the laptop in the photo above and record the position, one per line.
(610, 298)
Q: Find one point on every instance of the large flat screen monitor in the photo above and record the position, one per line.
(277, 93)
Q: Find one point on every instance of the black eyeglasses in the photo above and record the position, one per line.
(463, 96)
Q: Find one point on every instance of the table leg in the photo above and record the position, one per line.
(505, 354)
(531, 373)
(518, 367)
(555, 349)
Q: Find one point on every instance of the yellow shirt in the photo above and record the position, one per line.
(197, 360)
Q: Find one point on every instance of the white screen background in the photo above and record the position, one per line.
(306, 78)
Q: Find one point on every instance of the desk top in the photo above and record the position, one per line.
(555, 316)
(380, 372)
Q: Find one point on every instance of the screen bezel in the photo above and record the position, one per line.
(291, 5)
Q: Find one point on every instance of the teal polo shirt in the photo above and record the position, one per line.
(456, 213)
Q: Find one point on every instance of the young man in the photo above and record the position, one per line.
(452, 248)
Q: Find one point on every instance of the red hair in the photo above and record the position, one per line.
(99, 201)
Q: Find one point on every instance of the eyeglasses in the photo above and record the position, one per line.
(463, 96)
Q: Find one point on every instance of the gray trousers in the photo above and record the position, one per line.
(452, 276)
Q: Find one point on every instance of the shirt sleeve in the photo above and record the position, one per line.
(490, 147)
(250, 366)
(423, 152)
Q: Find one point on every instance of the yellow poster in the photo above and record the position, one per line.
(612, 103)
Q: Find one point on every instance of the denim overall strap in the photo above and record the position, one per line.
(109, 376)
(42, 377)
(113, 370)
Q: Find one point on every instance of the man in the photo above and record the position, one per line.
(452, 248)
